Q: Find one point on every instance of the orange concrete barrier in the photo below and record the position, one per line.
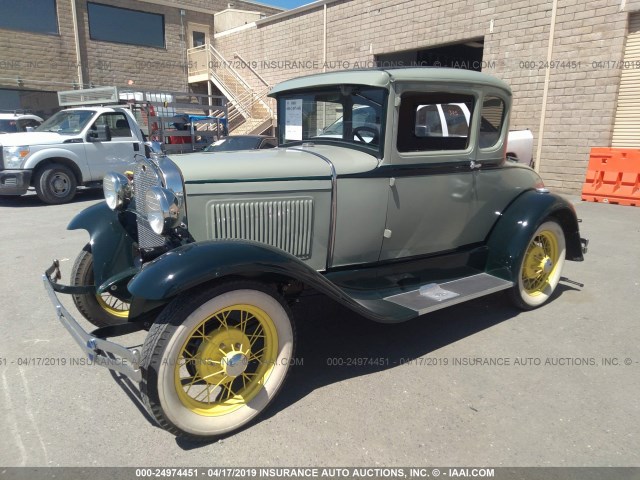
(613, 176)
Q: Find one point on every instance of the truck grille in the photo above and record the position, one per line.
(282, 223)
(145, 176)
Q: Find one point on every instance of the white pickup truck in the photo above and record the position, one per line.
(76, 146)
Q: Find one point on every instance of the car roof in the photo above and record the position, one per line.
(384, 77)
(9, 116)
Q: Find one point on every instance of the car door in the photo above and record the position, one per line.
(116, 154)
(431, 183)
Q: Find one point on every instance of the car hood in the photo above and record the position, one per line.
(32, 138)
(272, 164)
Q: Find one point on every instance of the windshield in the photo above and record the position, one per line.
(67, 122)
(234, 143)
(345, 114)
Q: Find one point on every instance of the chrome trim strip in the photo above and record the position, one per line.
(334, 203)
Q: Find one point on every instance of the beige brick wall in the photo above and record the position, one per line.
(581, 101)
(42, 62)
(48, 62)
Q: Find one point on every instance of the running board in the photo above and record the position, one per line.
(431, 297)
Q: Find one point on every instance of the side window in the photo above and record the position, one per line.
(117, 122)
(268, 144)
(23, 124)
(434, 121)
(491, 121)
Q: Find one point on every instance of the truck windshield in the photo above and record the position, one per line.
(67, 122)
(349, 115)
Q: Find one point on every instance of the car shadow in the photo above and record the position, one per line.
(31, 200)
(334, 344)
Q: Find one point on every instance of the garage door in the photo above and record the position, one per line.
(626, 131)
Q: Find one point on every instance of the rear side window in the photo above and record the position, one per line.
(434, 121)
(492, 118)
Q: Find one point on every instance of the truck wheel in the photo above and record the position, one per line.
(214, 359)
(541, 267)
(55, 184)
(101, 310)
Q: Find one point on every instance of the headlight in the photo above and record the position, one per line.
(163, 210)
(14, 156)
(117, 190)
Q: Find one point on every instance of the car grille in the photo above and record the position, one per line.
(145, 176)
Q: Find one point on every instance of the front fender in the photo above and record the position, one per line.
(111, 244)
(510, 236)
(186, 267)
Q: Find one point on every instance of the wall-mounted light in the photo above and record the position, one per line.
(20, 82)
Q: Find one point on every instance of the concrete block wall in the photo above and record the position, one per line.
(48, 62)
(41, 61)
(582, 94)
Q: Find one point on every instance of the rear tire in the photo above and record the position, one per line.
(55, 184)
(101, 310)
(215, 358)
(541, 267)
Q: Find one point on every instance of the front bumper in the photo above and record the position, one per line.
(100, 351)
(14, 182)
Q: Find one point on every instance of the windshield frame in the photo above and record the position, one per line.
(376, 150)
(46, 126)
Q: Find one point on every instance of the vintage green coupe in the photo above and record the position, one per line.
(390, 216)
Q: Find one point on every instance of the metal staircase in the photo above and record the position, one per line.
(249, 111)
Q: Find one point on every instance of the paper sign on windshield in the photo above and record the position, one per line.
(293, 120)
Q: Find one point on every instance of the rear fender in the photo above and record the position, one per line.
(510, 236)
(111, 244)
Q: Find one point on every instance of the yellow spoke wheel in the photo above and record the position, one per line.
(215, 358)
(100, 309)
(540, 260)
(541, 266)
(113, 305)
(226, 359)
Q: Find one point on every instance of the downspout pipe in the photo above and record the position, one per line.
(545, 94)
(76, 35)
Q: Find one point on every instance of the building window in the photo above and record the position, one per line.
(19, 15)
(198, 39)
(121, 25)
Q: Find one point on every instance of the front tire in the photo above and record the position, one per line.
(541, 267)
(214, 359)
(56, 184)
(101, 310)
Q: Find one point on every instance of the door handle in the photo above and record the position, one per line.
(474, 165)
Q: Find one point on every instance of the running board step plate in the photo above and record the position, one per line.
(436, 296)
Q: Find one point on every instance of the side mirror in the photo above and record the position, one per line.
(422, 130)
(102, 133)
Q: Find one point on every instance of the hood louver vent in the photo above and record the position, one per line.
(282, 223)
